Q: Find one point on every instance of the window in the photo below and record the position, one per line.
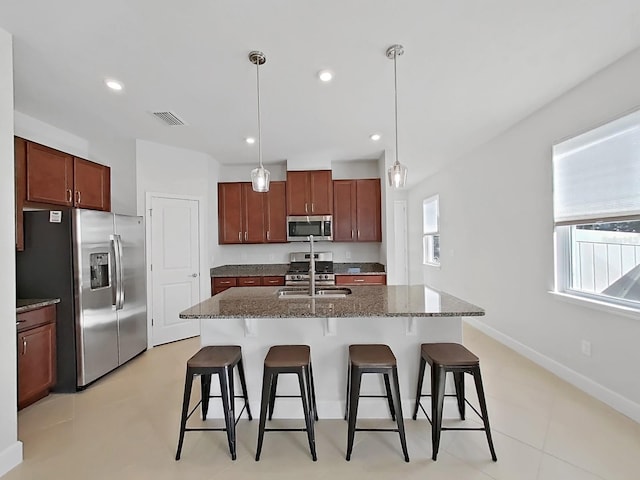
(596, 203)
(431, 231)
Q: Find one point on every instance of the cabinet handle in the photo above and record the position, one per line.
(226, 282)
(358, 234)
(351, 234)
(312, 207)
(246, 236)
(69, 195)
(268, 235)
(306, 210)
(78, 197)
(24, 346)
(239, 236)
(358, 280)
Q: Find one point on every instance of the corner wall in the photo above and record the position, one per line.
(497, 242)
(10, 447)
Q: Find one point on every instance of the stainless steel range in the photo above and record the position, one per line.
(298, 273)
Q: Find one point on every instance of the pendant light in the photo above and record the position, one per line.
(397, 172)
(260, 175)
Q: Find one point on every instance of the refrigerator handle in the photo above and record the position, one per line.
(119, 274)
(113, 271)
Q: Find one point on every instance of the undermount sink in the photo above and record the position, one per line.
(321, 292)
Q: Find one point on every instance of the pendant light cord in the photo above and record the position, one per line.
(395, 84)
(259, 123)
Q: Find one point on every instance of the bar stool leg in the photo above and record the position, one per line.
(483, 408)
(205, 391)
(304, 390)
(264, 404)
(398, 411)
(387, 387)
(232, 411)
(243, 383)
(313, 393)
(272, 395)
(229, 422)
(354, 397)
(346, 403)
(458, 378)
(423, 363)
(188, 382)
(438, 376)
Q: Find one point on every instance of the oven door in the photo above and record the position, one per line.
(300, 227)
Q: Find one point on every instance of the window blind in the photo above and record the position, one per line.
(596, 175)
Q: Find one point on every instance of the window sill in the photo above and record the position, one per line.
(622, 310)
(432, 265)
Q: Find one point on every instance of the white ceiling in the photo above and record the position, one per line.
(471, 68)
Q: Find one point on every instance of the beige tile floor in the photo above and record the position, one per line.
(126, 425)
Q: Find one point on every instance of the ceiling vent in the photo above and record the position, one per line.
(168, 118)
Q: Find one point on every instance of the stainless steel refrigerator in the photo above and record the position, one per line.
(95, 263)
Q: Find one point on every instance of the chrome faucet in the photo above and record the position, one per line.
(312, 269)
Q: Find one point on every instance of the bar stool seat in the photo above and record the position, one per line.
(457, 359)
(282, 359)
(373, 358)
(208, 361)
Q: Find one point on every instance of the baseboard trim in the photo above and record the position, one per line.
(602, 393)
(10, 457)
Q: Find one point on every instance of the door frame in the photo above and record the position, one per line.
(205, 277)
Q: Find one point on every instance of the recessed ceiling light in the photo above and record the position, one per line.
(113, 85)
(375, 137)
(325, 75)
(250, 140)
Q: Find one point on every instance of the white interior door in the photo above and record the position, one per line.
(175, 267)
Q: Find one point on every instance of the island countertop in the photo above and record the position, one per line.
(364, 301)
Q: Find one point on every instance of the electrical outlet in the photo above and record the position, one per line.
(586, 348)
(347, 255)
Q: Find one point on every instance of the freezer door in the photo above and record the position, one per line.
(132, 304)
(96, 321)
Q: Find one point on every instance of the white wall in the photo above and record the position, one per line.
(497, 246)
(10, 447)
(117, 153)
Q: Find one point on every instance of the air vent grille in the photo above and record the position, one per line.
(169, 118)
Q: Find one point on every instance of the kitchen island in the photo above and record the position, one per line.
(401, 316)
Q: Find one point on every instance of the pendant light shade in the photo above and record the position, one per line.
(259, 176)
(397, 172)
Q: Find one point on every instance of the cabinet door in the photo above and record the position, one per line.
(297, 193)
(344, 210)
(276, 213)
(36, 363)
(253, 215)
(368, 210)
(49, 175)
(361, 279)
(20, 156)
(272, 281)
(92, 185)
(321, 189)
(229, 213)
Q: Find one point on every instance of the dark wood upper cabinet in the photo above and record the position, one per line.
(49, 175)
(276, 213)
(309, 192)
(92, 185)
(20, 154)
(357, 211)
(230, 213)
(253, 215)
(344, 210)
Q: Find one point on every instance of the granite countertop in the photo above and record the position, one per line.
(364, 301)
(26, 305)
(280, 269)
(259, 270)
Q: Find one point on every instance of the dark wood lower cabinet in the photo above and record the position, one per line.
(220, 284)
(361, 279)
(36, 350)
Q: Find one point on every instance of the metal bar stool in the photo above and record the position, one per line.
(454, 358)
(207, 361)
(288, 359)
(373, 359)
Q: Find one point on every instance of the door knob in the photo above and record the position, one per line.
(194, 275)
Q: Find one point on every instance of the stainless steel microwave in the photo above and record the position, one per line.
(300, 227)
